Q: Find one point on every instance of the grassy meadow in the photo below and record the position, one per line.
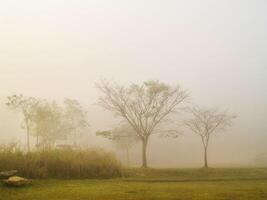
(139, 184)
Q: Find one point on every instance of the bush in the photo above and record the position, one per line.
(60, 163)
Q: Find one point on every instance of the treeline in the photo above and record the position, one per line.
(49, 122)
(146, 109)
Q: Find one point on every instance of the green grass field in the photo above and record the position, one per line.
(137, 184)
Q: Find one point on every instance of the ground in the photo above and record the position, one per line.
(187, 184)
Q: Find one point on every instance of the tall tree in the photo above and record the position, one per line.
(207, 122)
(50, 125)
(143, 106)
(27, 106)
(123, 137)
(76, 118)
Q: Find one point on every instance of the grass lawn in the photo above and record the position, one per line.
(214, 184)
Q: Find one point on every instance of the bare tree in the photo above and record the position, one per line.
(50, 124)
(76, 118)
(143, 106)
(27, 106)
(123, 137)
(207, 122)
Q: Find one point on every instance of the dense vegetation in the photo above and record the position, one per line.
(60, 163)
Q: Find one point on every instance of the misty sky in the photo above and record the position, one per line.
(217, 49)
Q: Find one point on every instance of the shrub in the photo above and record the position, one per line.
(60, 163)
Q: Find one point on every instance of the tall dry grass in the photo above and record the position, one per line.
(60, 163)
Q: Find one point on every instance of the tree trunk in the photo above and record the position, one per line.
(206, 157)
(75, 139)
(128, 156)
(144, 147)
(37, 141)
(28, 139)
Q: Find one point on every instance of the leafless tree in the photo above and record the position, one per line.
(76, 118)
(123, 136)
(27, 106)
(207, 122)
(49, 124)
(143, 106)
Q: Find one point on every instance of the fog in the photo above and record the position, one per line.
(217, 50)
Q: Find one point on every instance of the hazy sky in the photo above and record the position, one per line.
(216, 49)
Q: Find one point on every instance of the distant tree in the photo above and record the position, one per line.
(261, 159)
(50, 125)
(27, 107)
(75, 117)
(144, 106)
(207, 122)
(123, 137)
